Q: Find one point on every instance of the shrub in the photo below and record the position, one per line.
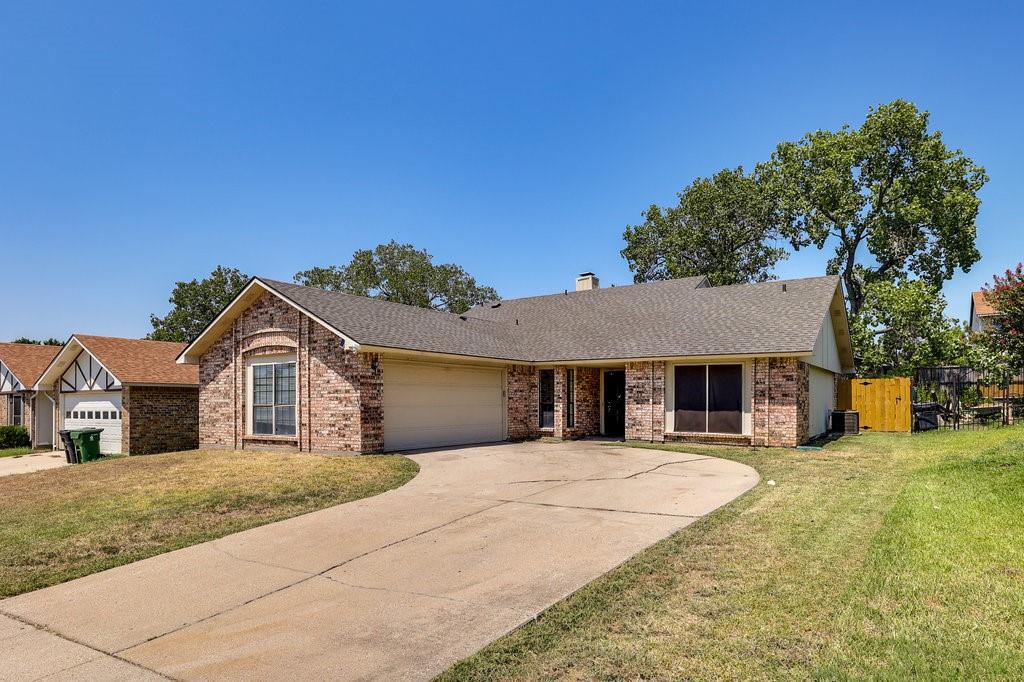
(14, 437)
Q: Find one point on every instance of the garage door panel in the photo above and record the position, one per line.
(423, 417)
(431, 405)
(90, 409)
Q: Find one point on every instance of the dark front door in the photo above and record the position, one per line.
(615, 403)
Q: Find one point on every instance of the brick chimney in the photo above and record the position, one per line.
(587, 281)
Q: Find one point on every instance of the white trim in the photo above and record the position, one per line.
(182, 358)
(275, 359)
(54, 363)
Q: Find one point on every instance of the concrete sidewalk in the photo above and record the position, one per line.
(397, 586)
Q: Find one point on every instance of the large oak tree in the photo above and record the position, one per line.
(893, 199)
(195, 303)
(724, 227)
(403, 274)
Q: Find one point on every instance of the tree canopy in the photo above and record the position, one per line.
(891, 188)
(403, 274)
(903, 326)
(724, 227)
(195, 304)
(48, 342)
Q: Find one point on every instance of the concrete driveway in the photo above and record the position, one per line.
(37, 461)
(397, 586)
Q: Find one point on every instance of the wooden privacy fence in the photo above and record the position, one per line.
(884, 404)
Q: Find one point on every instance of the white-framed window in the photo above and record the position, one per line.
(272, 396)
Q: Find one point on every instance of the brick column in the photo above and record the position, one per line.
(645, 401)
(560, 403)
(521, 401)
(781, 402)
(371, 403)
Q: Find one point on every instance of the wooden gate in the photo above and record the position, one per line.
(884, 404)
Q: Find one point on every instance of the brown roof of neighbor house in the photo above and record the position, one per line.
(679, 317)
(27, 360)
(981, 305)
(139, 361)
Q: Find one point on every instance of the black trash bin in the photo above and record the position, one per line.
(926, 416)
(70, 451)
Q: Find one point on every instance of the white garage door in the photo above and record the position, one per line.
(428, 405)
(96, 411)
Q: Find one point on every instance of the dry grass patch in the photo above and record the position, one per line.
(64, 523)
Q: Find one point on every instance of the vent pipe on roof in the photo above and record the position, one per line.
(587, 281)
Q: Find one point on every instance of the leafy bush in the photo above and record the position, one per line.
(14, 437)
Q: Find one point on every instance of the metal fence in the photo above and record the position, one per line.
(966, 398)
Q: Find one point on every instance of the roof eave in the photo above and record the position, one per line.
(242, 301)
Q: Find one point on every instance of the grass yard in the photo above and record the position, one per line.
(64, 523)
(15, 452)
(885, 556)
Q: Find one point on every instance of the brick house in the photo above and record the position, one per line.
(20, 404)
(298, 367)
(133, 389)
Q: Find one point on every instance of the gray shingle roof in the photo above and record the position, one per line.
(657, 319)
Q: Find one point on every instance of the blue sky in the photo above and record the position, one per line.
(143, 143)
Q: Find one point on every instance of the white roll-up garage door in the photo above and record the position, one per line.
(430, 405)
(96, 411)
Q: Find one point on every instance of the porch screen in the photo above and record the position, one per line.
(691, 398)
(709, 398)
(725, 398)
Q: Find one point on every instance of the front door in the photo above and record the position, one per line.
(615, 403)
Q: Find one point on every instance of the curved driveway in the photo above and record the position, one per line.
(397, 586)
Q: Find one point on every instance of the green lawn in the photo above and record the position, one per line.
(64, 523)
(15, 452)
(882, 557)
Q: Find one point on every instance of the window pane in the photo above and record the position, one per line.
(285, 425)
(263, 420)
(570, 397)
(547, 398)
(284, 384)
(263, 385)
(725, 398)
(690, 394)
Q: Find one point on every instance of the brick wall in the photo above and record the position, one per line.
(645, 401)
(587, 420)
(159, 419)
(5, 403)
(339, 392)
(781, 402)
(522, 399)
(344, 393)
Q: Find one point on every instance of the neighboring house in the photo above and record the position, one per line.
(285, 365)
(982, 312)
(133, 389)
(21, 405)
